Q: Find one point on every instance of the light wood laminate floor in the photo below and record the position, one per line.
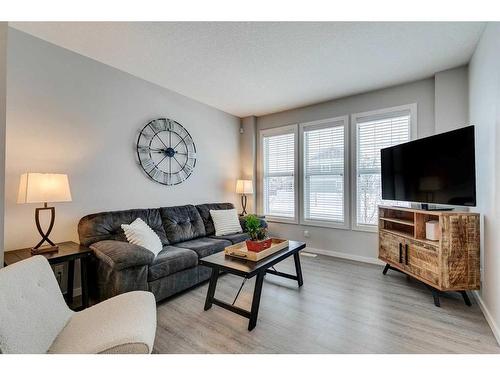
(343, 307)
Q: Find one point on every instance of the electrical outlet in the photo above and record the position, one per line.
(306, 234)
(59, 271)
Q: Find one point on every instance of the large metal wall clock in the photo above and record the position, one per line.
(166, 151)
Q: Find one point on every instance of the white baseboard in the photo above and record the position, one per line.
(494, 327)
(338, 254)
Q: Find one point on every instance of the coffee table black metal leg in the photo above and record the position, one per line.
(298, 268)
(256, 300)
(211, 288)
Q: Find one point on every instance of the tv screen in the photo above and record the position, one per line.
(438, 169)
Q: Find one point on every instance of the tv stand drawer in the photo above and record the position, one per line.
(422, 262)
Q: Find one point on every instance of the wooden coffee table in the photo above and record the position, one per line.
(221, 262)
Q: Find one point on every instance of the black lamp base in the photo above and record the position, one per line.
(38, 248)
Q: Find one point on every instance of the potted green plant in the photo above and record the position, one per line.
(258, 235)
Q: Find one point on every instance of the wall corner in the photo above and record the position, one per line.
(248, 156)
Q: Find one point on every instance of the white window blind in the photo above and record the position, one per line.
(279, 175)
(372, 134)
(323, 173)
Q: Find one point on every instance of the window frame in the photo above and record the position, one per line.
(384, 112)
(317, 125)
(287, 129)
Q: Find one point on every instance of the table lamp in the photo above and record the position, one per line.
(44, 188)
(244, 187)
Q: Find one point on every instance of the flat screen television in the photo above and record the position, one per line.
(439, 169)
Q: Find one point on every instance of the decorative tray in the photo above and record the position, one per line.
(240, 250)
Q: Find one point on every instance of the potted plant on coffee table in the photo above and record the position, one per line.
(258, 235)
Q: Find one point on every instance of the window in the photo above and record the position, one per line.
(323, 145)
(279, 178)
(307, 174)
(374, 131)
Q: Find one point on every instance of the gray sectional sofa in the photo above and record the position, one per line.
(186, 232)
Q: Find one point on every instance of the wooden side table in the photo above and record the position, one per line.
(67, 252)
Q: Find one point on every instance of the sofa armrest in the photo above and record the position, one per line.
(263, 222)
(120, 255)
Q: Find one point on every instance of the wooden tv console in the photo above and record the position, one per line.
(448, 264)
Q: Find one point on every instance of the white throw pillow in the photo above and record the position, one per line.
(141, 234)
(226, 222)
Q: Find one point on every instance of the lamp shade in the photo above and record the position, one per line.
(43, 187)
(244, 187)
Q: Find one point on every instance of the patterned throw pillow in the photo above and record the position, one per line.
(226, 222)
(141, 234)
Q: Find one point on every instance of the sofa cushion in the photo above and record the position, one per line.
(234, 238)
(171, 260)
(107, 225)
(204, 210)
(205, 246)
(182, 223)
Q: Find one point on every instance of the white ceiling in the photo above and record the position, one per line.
(255, 68)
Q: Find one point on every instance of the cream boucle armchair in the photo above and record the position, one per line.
(34, 317)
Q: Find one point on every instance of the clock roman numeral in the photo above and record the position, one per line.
(165, 178)
(172, 179)
(156, 174)
(168, 125)
(158, 125)
(148, 165)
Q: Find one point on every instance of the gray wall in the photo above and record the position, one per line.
(3, 97)
(352, 244)
(70, 114)
(484, 99)
(421, 92)
(451, 99)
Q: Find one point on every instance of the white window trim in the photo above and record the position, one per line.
(322, 124)
(353, 166)
(287, 129)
